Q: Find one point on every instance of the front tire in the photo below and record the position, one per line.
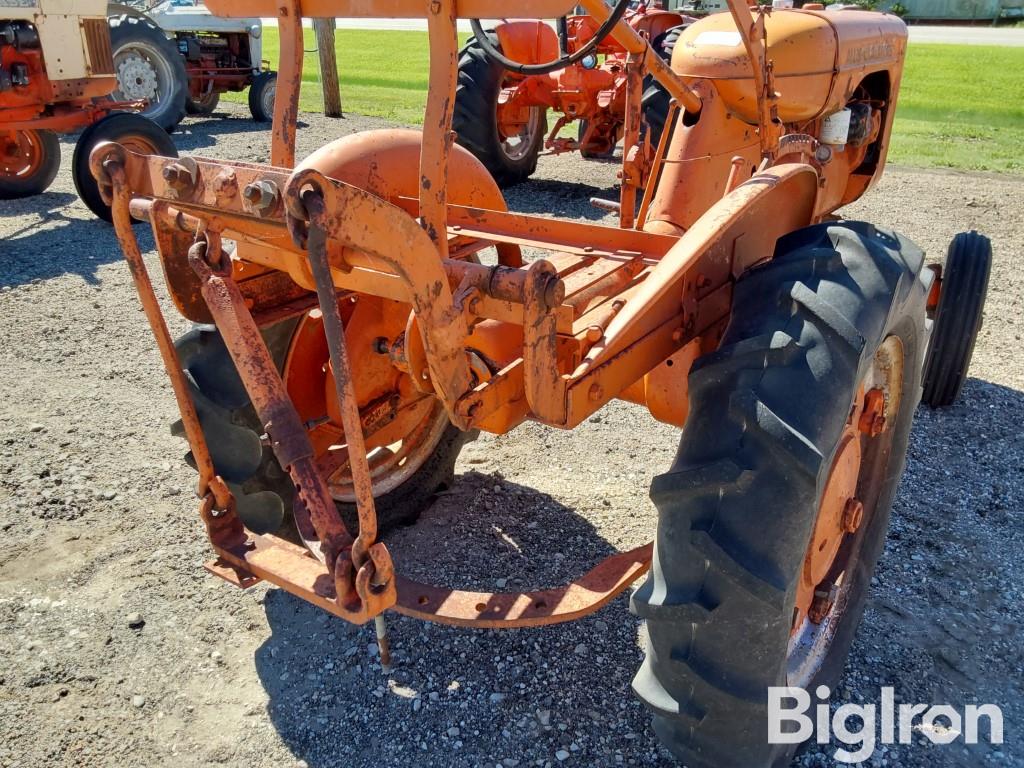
(263, 490)
(773, 414)
(204, 105)
(29, 161)
(655, 100)
(149, 68)
(262, 93)
(510, 156)
(129, 129)
(957, 318)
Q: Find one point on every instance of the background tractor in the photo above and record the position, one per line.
(179, 58)
(502, 72)
(56, 76)
(377, 311)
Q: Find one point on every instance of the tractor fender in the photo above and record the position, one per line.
(527, 42)
(386, 163)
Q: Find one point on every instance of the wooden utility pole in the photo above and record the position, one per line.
(324, 29)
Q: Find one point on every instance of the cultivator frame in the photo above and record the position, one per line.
(608, 314)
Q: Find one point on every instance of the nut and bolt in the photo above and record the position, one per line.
(179, 176)
(824, 600)
(225, 184)
(853, 515)
(872, 418)
(262, 195)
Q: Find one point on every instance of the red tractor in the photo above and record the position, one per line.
(587, 79)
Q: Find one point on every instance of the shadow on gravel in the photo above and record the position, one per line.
(456, 695)
(198, 133)
(54, 244)
(559, 198)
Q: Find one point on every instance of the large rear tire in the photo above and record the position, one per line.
(29, 161)
(148, 67)
(263, 491)
(957, 319)
(129, 129)
(773, 423)
(510, 158)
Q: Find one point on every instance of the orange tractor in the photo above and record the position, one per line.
(520, 69)
(56, 76)
(376, 311)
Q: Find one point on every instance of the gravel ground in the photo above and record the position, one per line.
(118, 649)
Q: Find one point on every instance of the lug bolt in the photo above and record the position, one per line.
(822, 605)
(872, 418)
(853, 515)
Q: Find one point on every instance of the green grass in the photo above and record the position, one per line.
(960, 106)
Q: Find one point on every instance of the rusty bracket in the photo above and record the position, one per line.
(362, 589)
(217, 505)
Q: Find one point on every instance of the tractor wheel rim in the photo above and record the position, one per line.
(142, 73)
(845, 514)
(517, 145)
(393, 464)
(22, 154)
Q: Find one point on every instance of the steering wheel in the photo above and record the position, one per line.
(565, 60)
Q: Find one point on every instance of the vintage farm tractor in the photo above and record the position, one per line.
(56, 76)
(520, 69)
(377, 309)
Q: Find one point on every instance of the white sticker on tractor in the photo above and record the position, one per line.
(717, 37)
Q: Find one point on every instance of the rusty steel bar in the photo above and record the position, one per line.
(256, 368)
(334, 331)
(120, 209)
(289, 82)
(437, 122)
(651, 182)
(632, 153)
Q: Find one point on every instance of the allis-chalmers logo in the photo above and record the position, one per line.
(867, 54)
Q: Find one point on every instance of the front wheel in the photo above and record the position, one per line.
(506, 138)
(411, 445)
(775, 512)
(132, 131)
(204, 105)
(29, 161)
(262, 93)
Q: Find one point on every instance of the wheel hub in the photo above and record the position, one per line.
(20, 154)
(137, 78)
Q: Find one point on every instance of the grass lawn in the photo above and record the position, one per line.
(960, 106)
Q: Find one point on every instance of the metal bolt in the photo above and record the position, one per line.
(178, 176)
(872, 418)
(594, 333)
(262, 195)
(822, 604)
(853, 515)
(225, 184)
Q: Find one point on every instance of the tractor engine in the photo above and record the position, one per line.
(837, 74)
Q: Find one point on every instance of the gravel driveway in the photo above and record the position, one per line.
(118, 649)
